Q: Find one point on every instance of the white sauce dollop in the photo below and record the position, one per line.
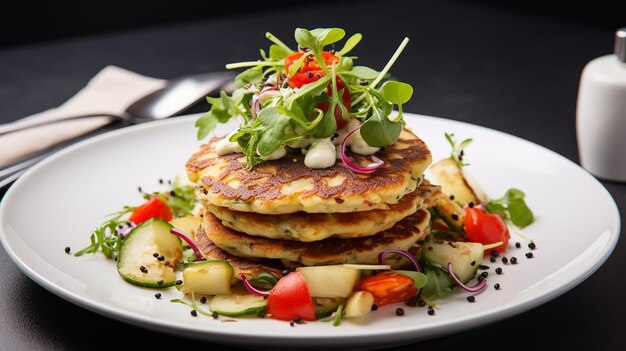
(226, 147)
(321, 154)
(356, 142)
(274, 155)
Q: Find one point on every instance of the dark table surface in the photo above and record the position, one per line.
(511, 71)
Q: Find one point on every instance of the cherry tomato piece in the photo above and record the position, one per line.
(290, 299)
(388, 287)
(345, 99)
(153, 208)
(310, 71)
(485, 228)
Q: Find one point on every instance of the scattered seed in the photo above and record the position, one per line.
(155, 255)
(431, 311)
(215, 315)
(473, 263)
(455, 217)
(291, 323)
(194, 313)
(160, 180)
(492, 259)
(482, 266)
(139, 189)
(261, 314)
(471, 299)
(518, 245)
(161, 258)
(484, 274)
(298, 320)
(496, 286)
(67, 249)
(203, 299)
(505, 260)
(167, 263)
(421, 303)
(399, 311)
(499, 270)
(532, 245)
(157, 295)
(529, 254)
(374, 307)
(143, 269)
(160, 282)
(178, 282)
(471, 204)
(494, 253)
(513, 260)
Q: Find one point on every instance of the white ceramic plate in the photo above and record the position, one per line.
(58, 202)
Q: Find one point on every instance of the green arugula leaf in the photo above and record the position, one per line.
(278, 53)
(350, 44)
(512, 206)
(252, 75)
(379, 131)
(396, 92)
(438, 283)
(327, 36)
(274, 133)
(361, 72)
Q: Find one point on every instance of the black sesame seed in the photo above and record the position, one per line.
(518, 245)
(484, 274)
(215, 315)
(139, 189)
(471, 204)
(451, 197)
(499, 270)
(455, 216)
(161, 258)
(67, 249)
(310, 74)
(203, 299)
(178, 282)
(318, 75)
(513, 260)
(298, 320)
(492, 259)
(532, 246)
(505, 260)
(480, 278)
(482, 266)
(160, 282)
(529, 254)
(471, 299)
(374, 307)
(399, 311)
(291, 323)
(160, 180)
(143, 269)
(496, 286)
(431, 311)
(157, 295)
(156, 254)
(473, 263)
(194, 313)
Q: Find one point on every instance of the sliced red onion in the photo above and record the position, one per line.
(408, 255)
(479, 286)
(189, 242)
(127, 229)
(256, 101)
(360, 169)
(251, 289)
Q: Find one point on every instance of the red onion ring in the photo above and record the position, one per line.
(256, 103)
(251, 289)
(359, 169)
(190, 242)
(408, 255)
(479, 286)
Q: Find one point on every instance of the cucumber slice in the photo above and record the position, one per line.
(465, 257)
(330, 281)
(239, 303)
(207, 278)
(136, 263)
(451, 213)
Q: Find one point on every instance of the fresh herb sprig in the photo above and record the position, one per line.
(458, 152)
(512, 207)
(293, 114)
(106, 237)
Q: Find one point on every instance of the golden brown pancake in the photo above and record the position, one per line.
(287, 186)
(307, 227)
(403, 235)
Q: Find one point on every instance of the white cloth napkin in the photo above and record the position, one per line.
(111, 91)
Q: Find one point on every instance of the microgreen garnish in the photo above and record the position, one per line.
(337, 320)
(293, 113)
(512, 207)
(106, 237)
(457, 149)
(193, 305)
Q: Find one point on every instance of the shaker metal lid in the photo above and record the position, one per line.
(620, 44)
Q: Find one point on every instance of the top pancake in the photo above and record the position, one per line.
(286, 185)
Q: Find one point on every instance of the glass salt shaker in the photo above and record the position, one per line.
(601, 114)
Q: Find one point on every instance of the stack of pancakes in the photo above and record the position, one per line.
(283, 214)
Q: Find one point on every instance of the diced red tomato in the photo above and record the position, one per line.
(153, 208)
(290, 299)
(485, 228)
(388, 287)
(310, 72)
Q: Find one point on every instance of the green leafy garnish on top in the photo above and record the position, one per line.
(291, 96)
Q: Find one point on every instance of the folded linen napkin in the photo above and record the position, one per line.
(110, 91)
